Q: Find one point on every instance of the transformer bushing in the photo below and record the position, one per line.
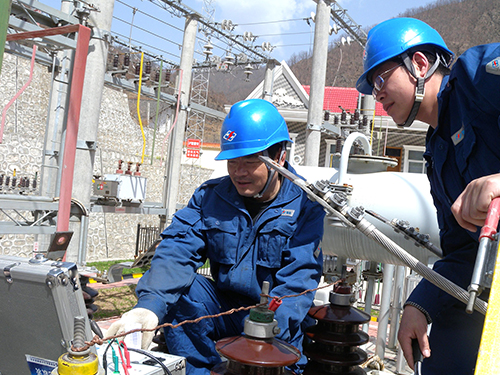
(257, 352)
(335, 338)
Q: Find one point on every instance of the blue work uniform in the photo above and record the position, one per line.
(463, 147)
(280, 245)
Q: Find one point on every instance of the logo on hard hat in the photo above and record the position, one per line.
(364, 54)
(229, 136)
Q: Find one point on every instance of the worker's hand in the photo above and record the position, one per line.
(146, 318)
(413, 326)
(471, 206)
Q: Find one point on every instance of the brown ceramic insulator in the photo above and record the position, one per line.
(247, 356)
(335, 340)
(235, 368)
(313, 368)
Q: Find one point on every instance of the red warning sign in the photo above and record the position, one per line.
(193, 143)
(195, 154)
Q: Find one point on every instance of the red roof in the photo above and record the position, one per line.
(346, 97)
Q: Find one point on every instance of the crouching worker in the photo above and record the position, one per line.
(252, 226)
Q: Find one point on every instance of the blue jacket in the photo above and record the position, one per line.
(281, 247)
(463, 147)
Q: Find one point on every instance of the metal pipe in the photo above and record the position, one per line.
(176, 115)
(396, 305)
(346, 150)
(369, 292)
(385, 304)
(157, 111)
(72, 128)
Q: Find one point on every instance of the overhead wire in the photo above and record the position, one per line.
(150, 16)
(266, 22)
(146, 44)
(147, 31)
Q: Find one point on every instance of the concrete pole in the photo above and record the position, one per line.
(317, 92)
(267, 91)
(55, 131)
(4, 24)
(173, 167)
(385, 304)
(56, 118)
(100, 22)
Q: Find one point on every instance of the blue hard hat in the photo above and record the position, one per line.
(251, 126)
(391, 38)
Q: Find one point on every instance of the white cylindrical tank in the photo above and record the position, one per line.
(393, 195)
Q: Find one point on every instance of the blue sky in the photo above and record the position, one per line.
(280, 22)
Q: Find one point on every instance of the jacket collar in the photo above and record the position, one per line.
(288, 191)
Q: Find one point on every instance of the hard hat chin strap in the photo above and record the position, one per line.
(420, 87)
(271, 172)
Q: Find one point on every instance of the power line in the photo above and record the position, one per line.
(145, 44)
(147, 31)
(281, 34)
(150, 16)
(262, 23)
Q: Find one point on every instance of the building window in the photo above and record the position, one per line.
(414, 161)
(331, 150)
(395, 153)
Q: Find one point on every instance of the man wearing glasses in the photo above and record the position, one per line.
(253, 226)
(407, 68)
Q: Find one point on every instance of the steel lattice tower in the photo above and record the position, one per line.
(192, 174)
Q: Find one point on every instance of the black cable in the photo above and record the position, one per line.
(143, 352)
(105, 359)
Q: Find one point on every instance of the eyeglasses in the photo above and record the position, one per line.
(378, 82)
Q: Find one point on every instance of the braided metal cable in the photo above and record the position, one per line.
(432, 276)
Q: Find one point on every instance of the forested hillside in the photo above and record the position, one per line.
(462, 23)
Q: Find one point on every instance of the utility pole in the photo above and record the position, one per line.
(175, 144)
(4, 24)
(317, 92)
(89, 120)
(191, 176)
(267, 91)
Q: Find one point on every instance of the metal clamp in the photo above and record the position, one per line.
(7, 274)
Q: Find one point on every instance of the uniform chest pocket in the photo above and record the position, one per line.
(222, 240)
(476, 156)
(183, 220)
(272, 239)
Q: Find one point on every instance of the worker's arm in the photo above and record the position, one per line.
(172, 270)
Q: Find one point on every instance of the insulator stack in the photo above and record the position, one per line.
(336, 337)
(257, 352)
(249, 356)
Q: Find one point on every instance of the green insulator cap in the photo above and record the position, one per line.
(261, 315)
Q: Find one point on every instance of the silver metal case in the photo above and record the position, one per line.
(39, 299)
